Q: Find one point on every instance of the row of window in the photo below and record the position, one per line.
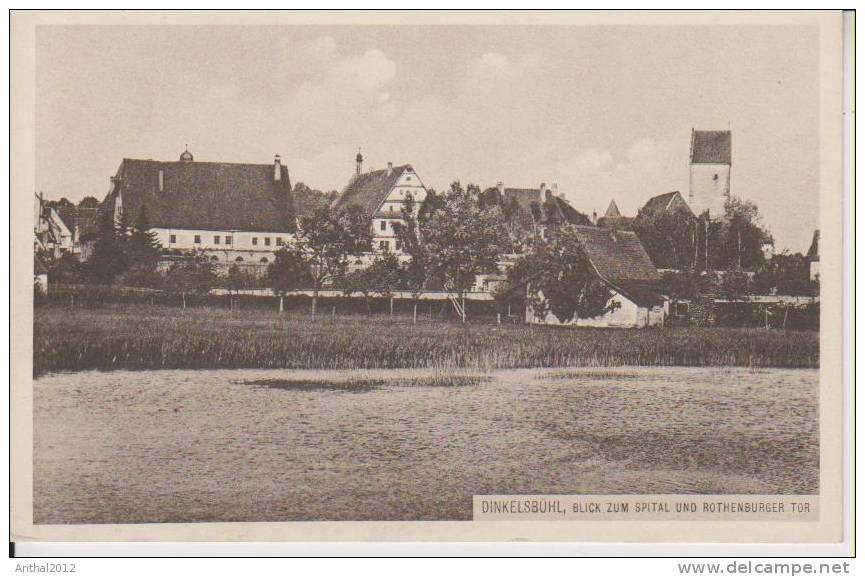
(227, 240)
(384, 245)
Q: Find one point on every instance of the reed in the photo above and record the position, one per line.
(144, 337)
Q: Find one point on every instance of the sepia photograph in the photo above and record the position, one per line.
(504, 270)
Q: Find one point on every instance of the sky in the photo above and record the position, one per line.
(604, 112)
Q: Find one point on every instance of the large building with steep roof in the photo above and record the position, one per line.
(236, 213)
(380, 194)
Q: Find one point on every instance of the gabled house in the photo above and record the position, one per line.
(52, 235)
(667, 203)
(380, 194)
(236, 213)
(623, 266)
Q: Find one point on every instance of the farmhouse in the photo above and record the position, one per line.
(380, 194)
(622, 265)
(235, 213)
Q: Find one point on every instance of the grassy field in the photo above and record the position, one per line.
(142, 337)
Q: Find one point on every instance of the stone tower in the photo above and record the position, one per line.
(711, 159)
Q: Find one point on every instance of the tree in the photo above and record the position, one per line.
(787, 274)
(462, 240)
(359, 280)
(414, 273)
(143, 246)
(289, 271)
(122, 234)
(106, 262)
(386, 274)
(192, 274)
(685, 284)
(89, 202)
(668, 236)
(328, 239)
(735, 241)
(560, 279)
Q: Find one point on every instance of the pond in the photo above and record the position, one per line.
(277, 445)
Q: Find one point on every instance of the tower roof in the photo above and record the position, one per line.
(612, 210)
(711, 147)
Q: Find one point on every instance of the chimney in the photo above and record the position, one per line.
(542, 192)
(501, 186)
(389, 168)
(161, 180)
(277, 168)
(555, 189)
(359, 161)
(594, 217)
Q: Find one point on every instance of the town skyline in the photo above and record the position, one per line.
(585, 108)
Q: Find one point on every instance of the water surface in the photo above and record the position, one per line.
(275, 445)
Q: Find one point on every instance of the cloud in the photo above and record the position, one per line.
(647, 167)
(495, 66)
(345, 86)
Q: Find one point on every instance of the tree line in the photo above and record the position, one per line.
(446, 241)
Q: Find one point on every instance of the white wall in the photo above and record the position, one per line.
(408, 183)
(627, 315)
(184, 239)
(707, 191)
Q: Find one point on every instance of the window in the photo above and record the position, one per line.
(399, 245)
(382, 245)
(681, 309)
(267, 241)
(254, 241)
(172, 239)
(263, 259)
(214, 258)
(239, 259)
(383, 225)
(715, 177)
(216, 239)
(228, 240)
(279, 241)
(197, 239)
(408, 178)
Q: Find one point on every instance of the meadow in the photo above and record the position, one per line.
(146, 337)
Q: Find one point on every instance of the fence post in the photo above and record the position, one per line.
(281, 308)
